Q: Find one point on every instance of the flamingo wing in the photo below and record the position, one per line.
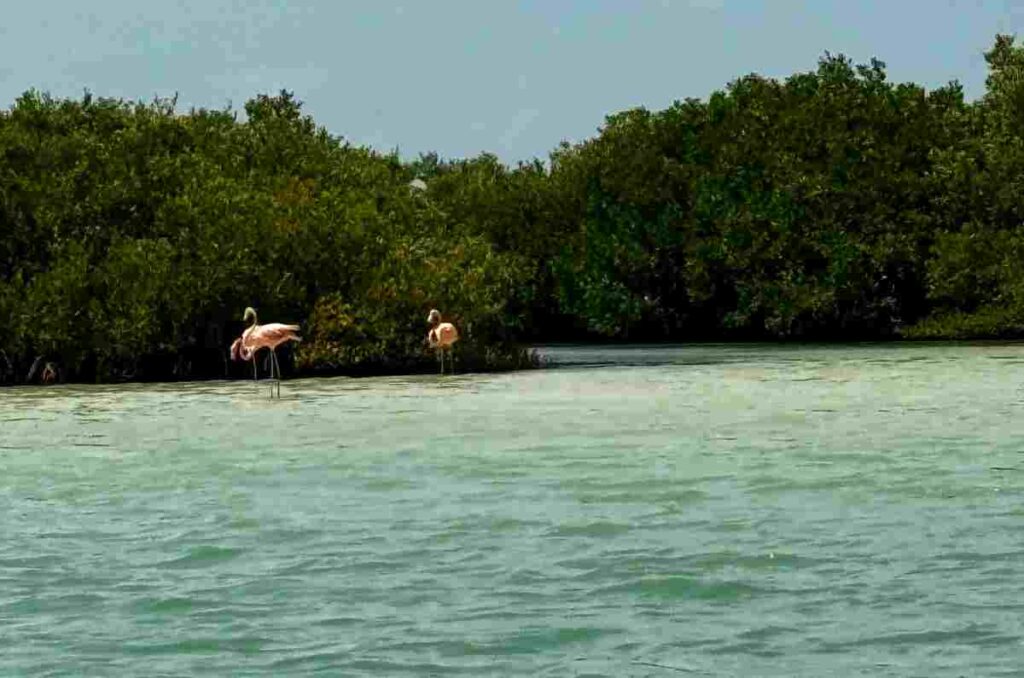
(448, 334)
(443, 335)
(273, 334)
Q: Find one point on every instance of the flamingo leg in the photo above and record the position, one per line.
(276, 365)
(270, 359)
(440, 358)
(255, 379)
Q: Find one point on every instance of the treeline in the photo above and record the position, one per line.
(833, 205)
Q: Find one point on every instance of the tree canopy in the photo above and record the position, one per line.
(831, 205)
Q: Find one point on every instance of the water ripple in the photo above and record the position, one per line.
(704, 510)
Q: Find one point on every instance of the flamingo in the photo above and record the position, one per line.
(258, 336)
(441, 336)
(47, 375)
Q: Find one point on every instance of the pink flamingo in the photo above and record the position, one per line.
(258, 336)
(441, 336)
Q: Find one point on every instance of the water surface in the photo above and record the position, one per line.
(706, 510)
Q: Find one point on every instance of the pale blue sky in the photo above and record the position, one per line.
(513, 77)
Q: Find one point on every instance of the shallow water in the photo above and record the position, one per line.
(708, 510)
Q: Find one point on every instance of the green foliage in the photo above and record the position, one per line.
(988, 322)
(788, 209)
(833, 204)
(134, 237)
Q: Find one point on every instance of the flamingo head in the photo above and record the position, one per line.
(236, 349)
(240, 351)
(434, 317)
(249, 315)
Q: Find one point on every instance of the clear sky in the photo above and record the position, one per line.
(513, 77)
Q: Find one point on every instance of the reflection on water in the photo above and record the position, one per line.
(717, 510)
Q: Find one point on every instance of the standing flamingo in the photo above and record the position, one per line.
(258, 336)
(441, 336)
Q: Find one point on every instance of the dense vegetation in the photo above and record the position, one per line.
(832, 205)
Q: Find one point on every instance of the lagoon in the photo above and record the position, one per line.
(708, 510)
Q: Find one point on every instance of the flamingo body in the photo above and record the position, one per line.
(257, 337)
(441, 337)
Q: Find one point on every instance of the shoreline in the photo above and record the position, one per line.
(541, 362)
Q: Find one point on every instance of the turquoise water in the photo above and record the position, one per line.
(769, 511)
